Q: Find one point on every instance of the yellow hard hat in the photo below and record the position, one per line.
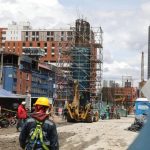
(44, 101)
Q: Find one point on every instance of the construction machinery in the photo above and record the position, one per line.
(78, 113)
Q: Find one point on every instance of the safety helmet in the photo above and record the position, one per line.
(23, 102)
(44, 101)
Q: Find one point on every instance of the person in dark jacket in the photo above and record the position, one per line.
(50, 137)
(21, 115)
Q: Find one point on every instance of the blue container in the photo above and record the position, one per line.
(142, 106)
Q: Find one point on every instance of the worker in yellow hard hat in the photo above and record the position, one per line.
(48, 138)
(42, 104)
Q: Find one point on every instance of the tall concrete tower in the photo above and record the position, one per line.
(148, 53)
(142, 67)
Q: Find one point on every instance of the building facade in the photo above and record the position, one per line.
(17, 37)
(22, 75)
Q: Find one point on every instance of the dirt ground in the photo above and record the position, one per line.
(102, 135)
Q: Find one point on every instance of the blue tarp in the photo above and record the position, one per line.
(7, 94)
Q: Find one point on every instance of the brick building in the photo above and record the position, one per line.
(18, 37)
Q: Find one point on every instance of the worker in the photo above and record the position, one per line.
(108, 112)
(39, 132)
(21, 115)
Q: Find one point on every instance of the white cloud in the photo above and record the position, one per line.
(41, 13)
(146, 7)
(8, 1)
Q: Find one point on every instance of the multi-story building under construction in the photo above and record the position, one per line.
(82, 61)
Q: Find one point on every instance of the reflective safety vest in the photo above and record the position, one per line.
(36, 138)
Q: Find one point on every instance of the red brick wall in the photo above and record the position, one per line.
(16, 47)
(2, 31)
(23, 83)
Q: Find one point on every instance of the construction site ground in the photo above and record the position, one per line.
(101, 135)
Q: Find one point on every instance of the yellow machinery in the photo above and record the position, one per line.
(77, 113)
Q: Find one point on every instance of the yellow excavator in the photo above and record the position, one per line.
(77, 113)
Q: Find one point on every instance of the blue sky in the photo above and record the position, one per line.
(124, 22)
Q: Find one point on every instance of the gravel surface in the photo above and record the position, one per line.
(102, 135)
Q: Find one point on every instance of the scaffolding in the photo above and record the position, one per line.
(63, 76)
(96, 64)
(81, 60)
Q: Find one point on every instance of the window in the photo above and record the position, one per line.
(45, 50)
(52, 33)
(48, 33)
(3, 38)
(62, 33)
(3, 32)
(26, 38)
(27, 77)
(45, 44)
(53, 44)
(37, 33)
(69, 33)
(27, 89)
(37, 39)
(38, 44)
(52, 39)
(33, 39)
(60, 44)
(48, 39)
(33, 33)
(27, 33)
(52, 50)
(24, 44)
(69, 38)
(62, 38)
(30, 44)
